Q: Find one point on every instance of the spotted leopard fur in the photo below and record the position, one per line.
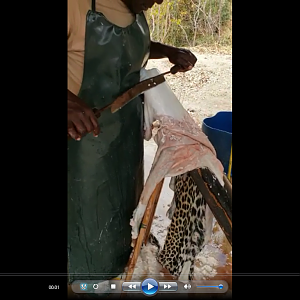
(185, 237)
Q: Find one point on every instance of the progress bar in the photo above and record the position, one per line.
(220, 286)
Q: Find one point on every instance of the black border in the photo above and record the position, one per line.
(34, 158)
(266, 205)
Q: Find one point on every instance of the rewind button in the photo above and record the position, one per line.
(168, 286)
(131, 286)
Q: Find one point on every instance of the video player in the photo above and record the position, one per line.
(151, 287)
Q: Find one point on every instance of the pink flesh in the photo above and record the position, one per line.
(182, 146)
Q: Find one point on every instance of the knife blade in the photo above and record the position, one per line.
(141, 87)
(138, 89)
(130, 94)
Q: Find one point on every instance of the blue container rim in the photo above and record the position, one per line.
(213, 118)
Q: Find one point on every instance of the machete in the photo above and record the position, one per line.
(132, 93)
(138, 89)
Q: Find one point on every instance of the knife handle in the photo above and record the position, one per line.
(175, 69)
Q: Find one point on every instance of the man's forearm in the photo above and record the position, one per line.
(158, 50)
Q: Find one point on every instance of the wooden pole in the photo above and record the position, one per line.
(217, 199)
(230, 165)
(228, 187)
(145, 229)
(153, 209)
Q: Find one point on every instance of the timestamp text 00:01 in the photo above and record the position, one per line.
(53, 287)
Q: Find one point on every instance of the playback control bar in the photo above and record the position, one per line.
(150, 287)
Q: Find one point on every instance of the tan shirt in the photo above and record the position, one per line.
(114, 10)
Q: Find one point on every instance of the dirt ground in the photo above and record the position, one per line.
(203, 91)
(206, 89)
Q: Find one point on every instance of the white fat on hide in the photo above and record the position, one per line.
(209, 217)
(182, 146)
(184, 275)
(139, 213)
(160, 101)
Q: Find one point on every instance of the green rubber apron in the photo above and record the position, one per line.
(106, 173)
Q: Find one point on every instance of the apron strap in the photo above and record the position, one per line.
(93, 5)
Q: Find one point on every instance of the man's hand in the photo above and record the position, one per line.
(182, 57)
(81, 119)
(177, 56)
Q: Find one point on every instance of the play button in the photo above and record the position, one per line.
(149, 287)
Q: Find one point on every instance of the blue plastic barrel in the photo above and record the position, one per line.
(219, 131)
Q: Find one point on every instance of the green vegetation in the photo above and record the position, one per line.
(192, 23)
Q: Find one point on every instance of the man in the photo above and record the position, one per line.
(108, 44)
